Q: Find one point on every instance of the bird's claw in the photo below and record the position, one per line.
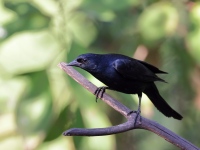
(138, 115)
(98, 90)
(131, 112)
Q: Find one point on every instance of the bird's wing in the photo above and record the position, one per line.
(134, 70)
(152, 68)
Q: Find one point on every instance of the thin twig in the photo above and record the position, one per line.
(143, 123)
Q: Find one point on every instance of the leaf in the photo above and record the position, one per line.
(158, 21)
(34, 112)
(82, 28)
(28, 17)
(27, 52)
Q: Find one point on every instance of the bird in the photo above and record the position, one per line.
(127, 75)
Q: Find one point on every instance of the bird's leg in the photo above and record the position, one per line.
(98, 90)
(96, 93)
(139, 109)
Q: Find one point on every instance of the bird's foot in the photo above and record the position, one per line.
(138, 117)
(98, 90)
(131, 112)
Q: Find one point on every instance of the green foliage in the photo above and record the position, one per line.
(27, 17)
(157, 22)
(38, 101)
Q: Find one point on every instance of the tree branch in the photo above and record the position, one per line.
(141, 123)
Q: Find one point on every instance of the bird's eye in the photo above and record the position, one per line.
(81, 60)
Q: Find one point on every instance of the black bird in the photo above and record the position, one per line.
(127, 75)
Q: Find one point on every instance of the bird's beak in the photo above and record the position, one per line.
(74, 63)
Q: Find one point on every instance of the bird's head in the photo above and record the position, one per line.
(87, 62)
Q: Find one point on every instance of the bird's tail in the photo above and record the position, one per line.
(153, 94)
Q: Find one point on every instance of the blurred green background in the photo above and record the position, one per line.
(38, 101)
